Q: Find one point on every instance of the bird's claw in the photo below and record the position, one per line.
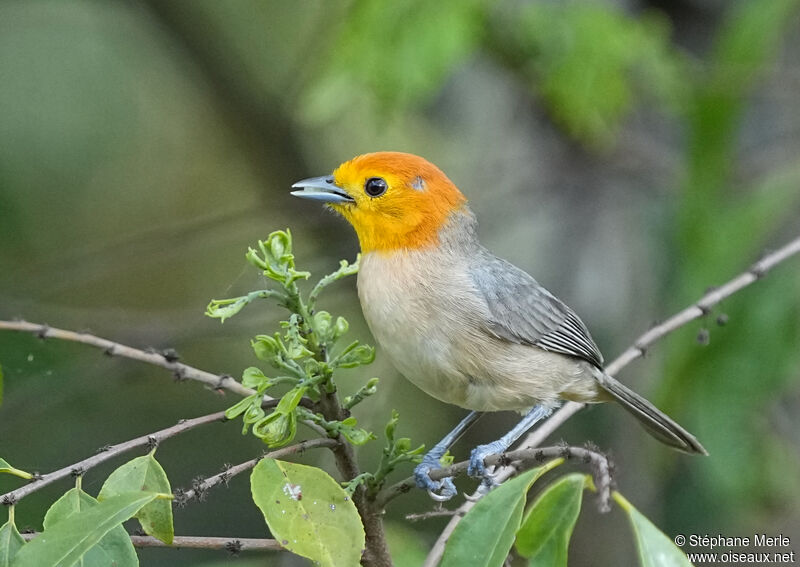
(477, 468)
(439, 490)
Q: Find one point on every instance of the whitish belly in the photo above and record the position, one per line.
(432, 327)
(415, 343)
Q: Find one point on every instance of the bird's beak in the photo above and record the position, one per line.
(321, 189)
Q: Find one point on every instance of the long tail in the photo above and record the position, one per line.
(657, 423)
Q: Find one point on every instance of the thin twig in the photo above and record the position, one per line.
(442, 512)
(200, 487)
(166, 359)
(232, 545)
(106, 454)
(698, 309)
(637, 350)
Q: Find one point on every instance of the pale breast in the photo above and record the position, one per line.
(411, 312)
(431, 322)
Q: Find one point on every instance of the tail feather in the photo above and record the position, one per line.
(656, 422)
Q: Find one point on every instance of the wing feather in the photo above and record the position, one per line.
(524, 312)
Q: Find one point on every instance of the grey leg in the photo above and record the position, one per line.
(478, 468)
(441, 489)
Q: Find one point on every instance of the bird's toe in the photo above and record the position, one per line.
(477, 468)
(439, 490)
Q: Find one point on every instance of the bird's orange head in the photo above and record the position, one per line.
(393, 200)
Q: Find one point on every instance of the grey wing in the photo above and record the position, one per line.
(524, 312)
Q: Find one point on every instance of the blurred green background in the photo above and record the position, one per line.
(629, 154)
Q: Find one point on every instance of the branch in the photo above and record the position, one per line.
(166, 359)
(232, 545)
(376, 552)
(438, 513)
(637, 350)
(519, 460)
(698, 309)
(201, 486)
(108, 453)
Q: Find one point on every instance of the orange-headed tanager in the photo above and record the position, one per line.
(465, 326)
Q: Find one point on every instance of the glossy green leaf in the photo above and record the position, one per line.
(5, 467)
(655, 548)
(308, 512)
(484, 536)
(546, 530)
(115, 548)
(146, 474)
(65, 543)
(10, 540)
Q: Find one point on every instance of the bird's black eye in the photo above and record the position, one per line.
(375, 186)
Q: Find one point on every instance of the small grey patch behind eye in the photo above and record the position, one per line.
(418, 183)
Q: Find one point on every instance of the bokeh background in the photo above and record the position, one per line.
(629, 154)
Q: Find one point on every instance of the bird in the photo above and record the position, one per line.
(465, 326)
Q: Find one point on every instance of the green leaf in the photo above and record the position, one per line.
(226, 308)
(242, 405)
(308, 512)
(484, 536)
(355, 355)
(65, 543)
(277, 429)
(276, 258)
(340, 327)
(290, 399)
(294, 340)
(547, 528)
(355, 435)
(6, 468)
(369, 389)
(655, 548)
(280, 244)
(115, 548)
(253, 377)
(345, 269)
(266, 347)
(391, 426)
(146, 474)
(10, 540)
(322, 324)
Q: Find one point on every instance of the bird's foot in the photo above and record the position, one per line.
(477, 468)
(439, 490)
